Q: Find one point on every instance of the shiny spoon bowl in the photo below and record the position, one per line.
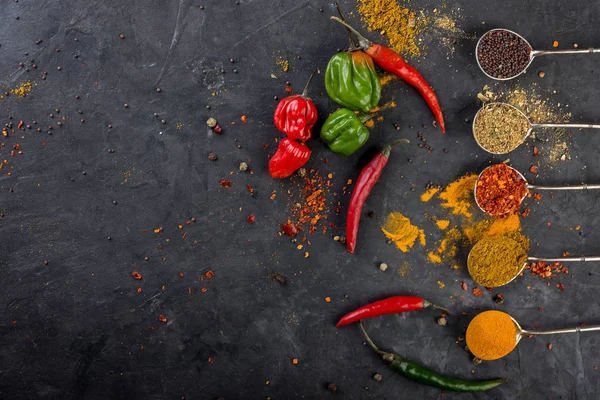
(532, 53)
(529, 187)
(492, 337)
(510, 268)
(513, 143)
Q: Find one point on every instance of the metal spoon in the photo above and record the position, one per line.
(525, 332)
(584, 186)
(532, 53)
(531, 125)
(501, 262)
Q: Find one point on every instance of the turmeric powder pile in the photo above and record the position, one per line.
(400, 24)
(491, 335)
(398, 229)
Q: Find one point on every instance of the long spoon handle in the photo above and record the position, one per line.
(562, 330)
(566, 125)
(536, 53)
(584, 186)
(563, 259)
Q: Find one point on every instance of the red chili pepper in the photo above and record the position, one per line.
(391, 305)
(366, 180)
(392, 62)
(290, 156)
(296, 115)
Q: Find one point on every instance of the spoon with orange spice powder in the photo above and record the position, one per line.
(501, 189)
(493, 334)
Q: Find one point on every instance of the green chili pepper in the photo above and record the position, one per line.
(351, 80)
(420, 374)
(344, 131)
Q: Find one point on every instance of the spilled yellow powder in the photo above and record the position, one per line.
(458, 196)
(434, 257)
(404, 269)
(398, 229)
(400, 24)
(283, 63)
(441, 284)
(23, 90)
(387, 78)
(442, 224)
(428, 195)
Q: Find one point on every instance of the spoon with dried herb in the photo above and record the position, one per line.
(497, 260)
(499, 128)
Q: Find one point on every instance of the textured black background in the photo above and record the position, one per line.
(81, 324)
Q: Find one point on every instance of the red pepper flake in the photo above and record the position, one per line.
(14, 322)
(184, 235)
(289, 229)
(537, 196)
(273, 195)
(536, 152)
(225, 183)
(251, 218)
(244, 119)
(180, 274)
(250, 189)
(211, 360)
(139, 290)
(204, 290)
(209, 274)
(526, 212)
(500, 189)
(162, 318)
(549, 346)
(188, 222)
(189, 291)
(265, 146)
(289, 88)
(560, 286)
(464, 286)
(136, 275)
(533, 169)
(20, 125)
(217, 129)
(477, 292)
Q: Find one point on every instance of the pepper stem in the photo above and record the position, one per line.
(305, 91)
(363, 42)
(348, 31)
(365, 117)
(430, 304)
(367, 338)
(388, 149)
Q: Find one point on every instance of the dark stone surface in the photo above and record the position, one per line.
(80, 325)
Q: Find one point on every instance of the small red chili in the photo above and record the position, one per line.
(296, 115)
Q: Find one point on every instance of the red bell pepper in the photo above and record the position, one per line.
(290, 156)
(296, 115)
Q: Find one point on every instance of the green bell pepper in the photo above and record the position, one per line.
(351, 80)
(344, 131)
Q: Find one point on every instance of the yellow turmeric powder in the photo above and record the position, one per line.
(458, 196)
(442, 223)
(23, 90)
(400, 24)
(429, 193)
(398, 229)
(491, 335)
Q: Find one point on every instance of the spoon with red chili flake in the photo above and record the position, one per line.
(503, 54)
(501, 189)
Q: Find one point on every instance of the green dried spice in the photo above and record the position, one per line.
(499, 128)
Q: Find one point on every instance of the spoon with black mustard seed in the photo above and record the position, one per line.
(481, 337)
(511, 130)
(503, 54)
(498, 268)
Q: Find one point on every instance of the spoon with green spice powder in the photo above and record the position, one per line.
(499, 128)
(497, 260)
